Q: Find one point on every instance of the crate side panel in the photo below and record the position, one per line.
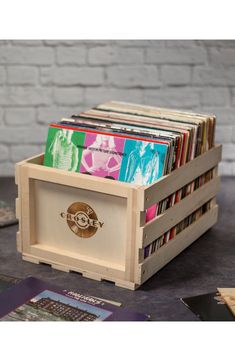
(178, 178)
(36, 159)
(166, 253)
(178, 212)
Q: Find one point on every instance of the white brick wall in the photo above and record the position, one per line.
(41, 81)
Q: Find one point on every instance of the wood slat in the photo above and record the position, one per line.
(164, 222)
(17, 208)
(167, 252)
(180, 177)
(41, 257)
(78, 180)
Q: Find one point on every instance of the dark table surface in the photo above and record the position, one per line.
(207, 264)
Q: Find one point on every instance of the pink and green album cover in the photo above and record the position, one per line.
(130, 160)
(102, 155)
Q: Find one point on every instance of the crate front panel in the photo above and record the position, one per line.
(54, 227)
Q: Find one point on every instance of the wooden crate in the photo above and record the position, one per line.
(96, 226)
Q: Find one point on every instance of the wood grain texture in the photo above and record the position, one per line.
(43, 193)
(164, 222)
(167, 252)
(228, 295)
(174, 181)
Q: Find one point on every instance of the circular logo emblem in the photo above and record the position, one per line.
(82, 219)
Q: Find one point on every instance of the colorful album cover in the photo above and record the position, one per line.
(102, 155)
(36, 300)
(143, 165)
(127, 159)
(64, 149)
(144, 162)
(52, 306)
(116, 157)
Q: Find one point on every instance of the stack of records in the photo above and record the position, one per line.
(137, 144)
(214, 306)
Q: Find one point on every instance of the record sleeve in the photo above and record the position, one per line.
(209, 307)
(36, 300)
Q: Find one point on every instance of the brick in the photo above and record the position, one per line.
(22, 75)
(94, 96)
(46, 75)
(176, 56)
(41, 148)
(25, 96)
(3, 153)
(54, 42)
(233, 96)
(223, 134)
(217, 43)
(107, 55)
(179, 98)
(35, 135)
(71, 55)
(181, 43)
(3, 96)
(222, 56)
(227, 168)
(69, 96)
(215, 96)
(214, 76)
(90, 43)
(1, 116)
(46, 115)
(21, 152)
(20, 116)
(65, 84)
(228, 151)
(140, 43)
(78, 76)
(224, 116)
(27, 42)
(102, 55)
(21, 55)
(7, 169)
(129, 56)
(2, 75)
(176, 74)
(63, 42)
(132, 76)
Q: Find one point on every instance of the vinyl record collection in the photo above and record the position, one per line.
(136, 144)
